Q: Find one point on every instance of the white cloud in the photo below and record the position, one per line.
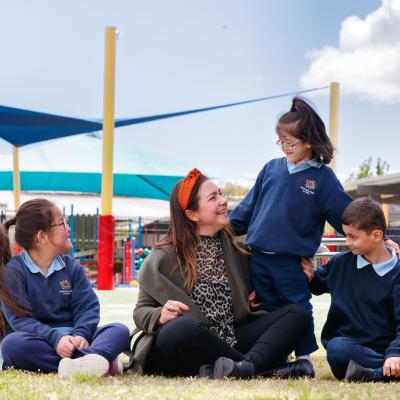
(367, 60)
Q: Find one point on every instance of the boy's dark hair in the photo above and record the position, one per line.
(365, 214)
(305, 124)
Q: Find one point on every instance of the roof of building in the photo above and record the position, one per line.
(384, 188)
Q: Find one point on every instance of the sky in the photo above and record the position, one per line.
(183, 54)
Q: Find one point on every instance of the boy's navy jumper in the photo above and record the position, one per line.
(363, 321)
(284, 216)
(61, 303)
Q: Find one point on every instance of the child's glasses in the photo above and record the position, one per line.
(287, 146)
(63, 222)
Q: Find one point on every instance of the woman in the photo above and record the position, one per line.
(193, 303)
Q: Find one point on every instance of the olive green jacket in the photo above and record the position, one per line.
(159, 282)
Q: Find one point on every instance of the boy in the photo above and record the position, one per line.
(362, 331)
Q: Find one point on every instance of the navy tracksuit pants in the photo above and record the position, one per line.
(279, 280)
(340, 350)
(25, 351)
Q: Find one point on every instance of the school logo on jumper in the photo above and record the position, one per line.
(309, 186)
(65, 286)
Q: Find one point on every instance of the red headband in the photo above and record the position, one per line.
(186, 187)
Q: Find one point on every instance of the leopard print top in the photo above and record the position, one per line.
(212, 292)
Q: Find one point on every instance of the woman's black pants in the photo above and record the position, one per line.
(184, 344)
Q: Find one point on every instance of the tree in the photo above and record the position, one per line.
(234, 192)
(382, 167)
(366, 170)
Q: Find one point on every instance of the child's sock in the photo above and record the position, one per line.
(116, 368)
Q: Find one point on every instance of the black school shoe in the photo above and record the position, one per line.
(297, 369)
(357, 373)
(225, 367)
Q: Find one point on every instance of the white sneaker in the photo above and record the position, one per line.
(91, 364)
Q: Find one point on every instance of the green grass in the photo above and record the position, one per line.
(117, 305)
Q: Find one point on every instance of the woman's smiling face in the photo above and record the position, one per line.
(211, 215)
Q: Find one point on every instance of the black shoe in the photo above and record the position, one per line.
(225, 367)
(298, 369)
(356, 372)
(206, 371)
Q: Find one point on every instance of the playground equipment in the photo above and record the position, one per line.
(132, 242)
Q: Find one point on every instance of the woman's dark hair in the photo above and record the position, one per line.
(32, 217)
(305, 124)
(182, 233)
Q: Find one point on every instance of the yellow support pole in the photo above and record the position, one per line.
(108, 122)
(385, 208)
(333, 129)
(333, 119)
(16, 178)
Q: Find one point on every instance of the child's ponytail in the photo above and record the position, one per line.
(5, 297)
(10, 222)
(305, 124)
(5, 250)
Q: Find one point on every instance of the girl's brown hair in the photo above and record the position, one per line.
(32, 217)
(182, 233)
(306, 125)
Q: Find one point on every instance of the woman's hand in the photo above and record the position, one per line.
(252, 301)
(394, 246)
(65, 347)
(80, 342)
(172, 309)
(391, 367)
(308, 267)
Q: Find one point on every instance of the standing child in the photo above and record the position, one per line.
(284, 215)
(54, 325)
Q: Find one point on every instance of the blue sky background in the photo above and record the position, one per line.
(175, 55)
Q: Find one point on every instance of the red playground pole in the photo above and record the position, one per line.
(105, 262)
(127, 262)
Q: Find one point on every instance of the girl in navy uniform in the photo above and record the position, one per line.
(52, 320)
(284, 214)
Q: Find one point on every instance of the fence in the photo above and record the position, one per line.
(144, 233)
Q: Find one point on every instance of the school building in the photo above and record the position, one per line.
(385, 189)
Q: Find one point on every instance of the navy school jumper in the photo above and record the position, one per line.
(62, 299)
(285, 214)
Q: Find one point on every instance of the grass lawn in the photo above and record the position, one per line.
(117, 305)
